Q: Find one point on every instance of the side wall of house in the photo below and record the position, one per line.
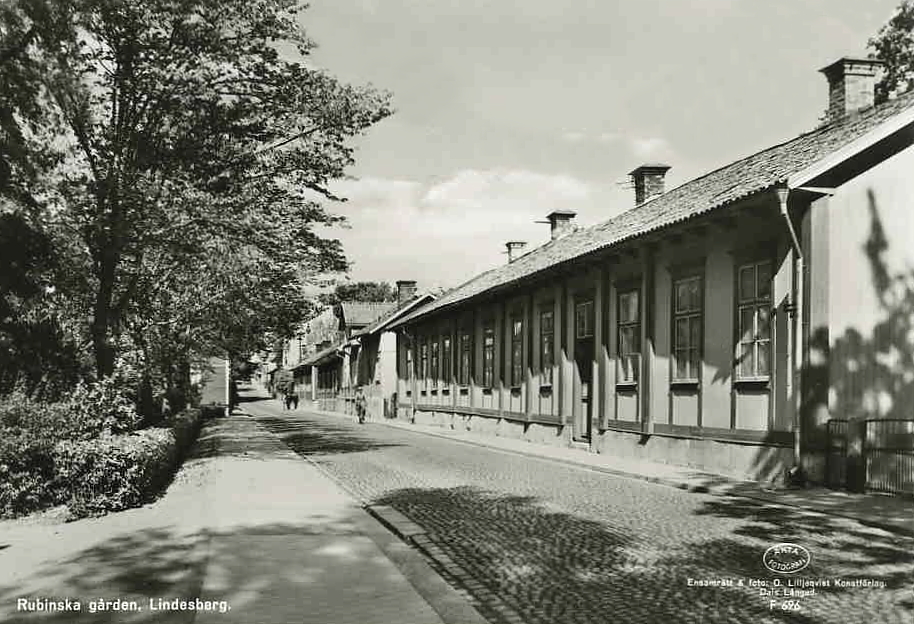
(675, 352)
(862, 339)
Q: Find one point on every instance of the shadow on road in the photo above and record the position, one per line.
(552, 566)
(318, 438)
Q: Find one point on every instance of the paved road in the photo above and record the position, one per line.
(555, 543)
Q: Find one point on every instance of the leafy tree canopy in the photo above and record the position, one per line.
(360, 291)
(178, 153)
(894, 45)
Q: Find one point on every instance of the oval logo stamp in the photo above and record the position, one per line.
(786, 558)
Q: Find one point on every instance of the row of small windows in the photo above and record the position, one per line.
(753, 355)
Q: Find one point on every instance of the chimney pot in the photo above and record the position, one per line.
(561, 222)
(406, 290)
(851, 85)
(514, 249)
(649, 181)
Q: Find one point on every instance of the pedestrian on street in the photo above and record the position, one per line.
(360, 405)
(295, 401)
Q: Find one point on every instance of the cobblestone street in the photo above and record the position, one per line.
(538, 542)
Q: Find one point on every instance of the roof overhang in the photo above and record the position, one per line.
(882, 142)
(393, 321)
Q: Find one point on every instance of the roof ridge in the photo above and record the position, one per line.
(713, 189)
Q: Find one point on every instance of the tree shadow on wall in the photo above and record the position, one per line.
(869, 372)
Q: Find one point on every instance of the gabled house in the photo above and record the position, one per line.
(753, 321)
(373, 353)
(365, 358)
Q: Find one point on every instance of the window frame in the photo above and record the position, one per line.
(423, 361)
(434, 360)
(621, 325)
(589, 319)
(465, 366)
(488, 348)
(547, 331)
(446, 355)
(517, 349)
(755, 303)
(692, 377)
(410, 364)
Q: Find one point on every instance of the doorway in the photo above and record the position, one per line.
(584, 352)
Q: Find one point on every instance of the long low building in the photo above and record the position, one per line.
(695, 327)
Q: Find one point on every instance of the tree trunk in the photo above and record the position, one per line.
(101, 320)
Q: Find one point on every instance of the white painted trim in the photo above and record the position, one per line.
(817, 189)
(401, 313)
(880, 132)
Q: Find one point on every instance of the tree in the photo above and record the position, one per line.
(36, 354)
(360, 291)
(191, 156)
(894, 45)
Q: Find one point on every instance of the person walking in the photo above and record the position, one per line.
(360, 406)
(295, 401)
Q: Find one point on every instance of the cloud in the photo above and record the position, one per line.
(648, 148)
(503, 191)
(600, 137)
(573, 137)
(445, 232)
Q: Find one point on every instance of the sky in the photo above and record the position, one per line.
(506, 110)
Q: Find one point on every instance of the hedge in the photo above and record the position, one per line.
(116, 472)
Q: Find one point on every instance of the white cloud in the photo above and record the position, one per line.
(648, 148)
(599, 137)
(514, 191)
(444, 233)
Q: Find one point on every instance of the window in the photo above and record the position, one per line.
(629, 345)
(466, 358)
(435, 361)
(488, 356)
(754, 304)
(547, 345)
(517, 351)
(686, 328)
(446, 359)
(423, 362)
(583, 319)
(410, 371)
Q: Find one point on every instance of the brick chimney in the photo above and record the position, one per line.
(406, 290)
(851, 85)
(648, 181)
(515, 249)
(561, 222)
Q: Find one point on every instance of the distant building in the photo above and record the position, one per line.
(755, 317)
(364, 358)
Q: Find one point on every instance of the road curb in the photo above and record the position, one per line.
(467, 586)
(719, 490)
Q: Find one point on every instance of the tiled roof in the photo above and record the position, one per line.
(320, 355)
(713, 190)
(400, 309)
(361, 313)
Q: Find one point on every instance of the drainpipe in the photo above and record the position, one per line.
(794, 379)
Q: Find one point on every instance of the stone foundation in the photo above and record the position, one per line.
(740, 460)
(555, 435)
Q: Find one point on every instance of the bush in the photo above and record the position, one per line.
(26, 473)
(104, 407)
(116, 472)
(186, 426)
